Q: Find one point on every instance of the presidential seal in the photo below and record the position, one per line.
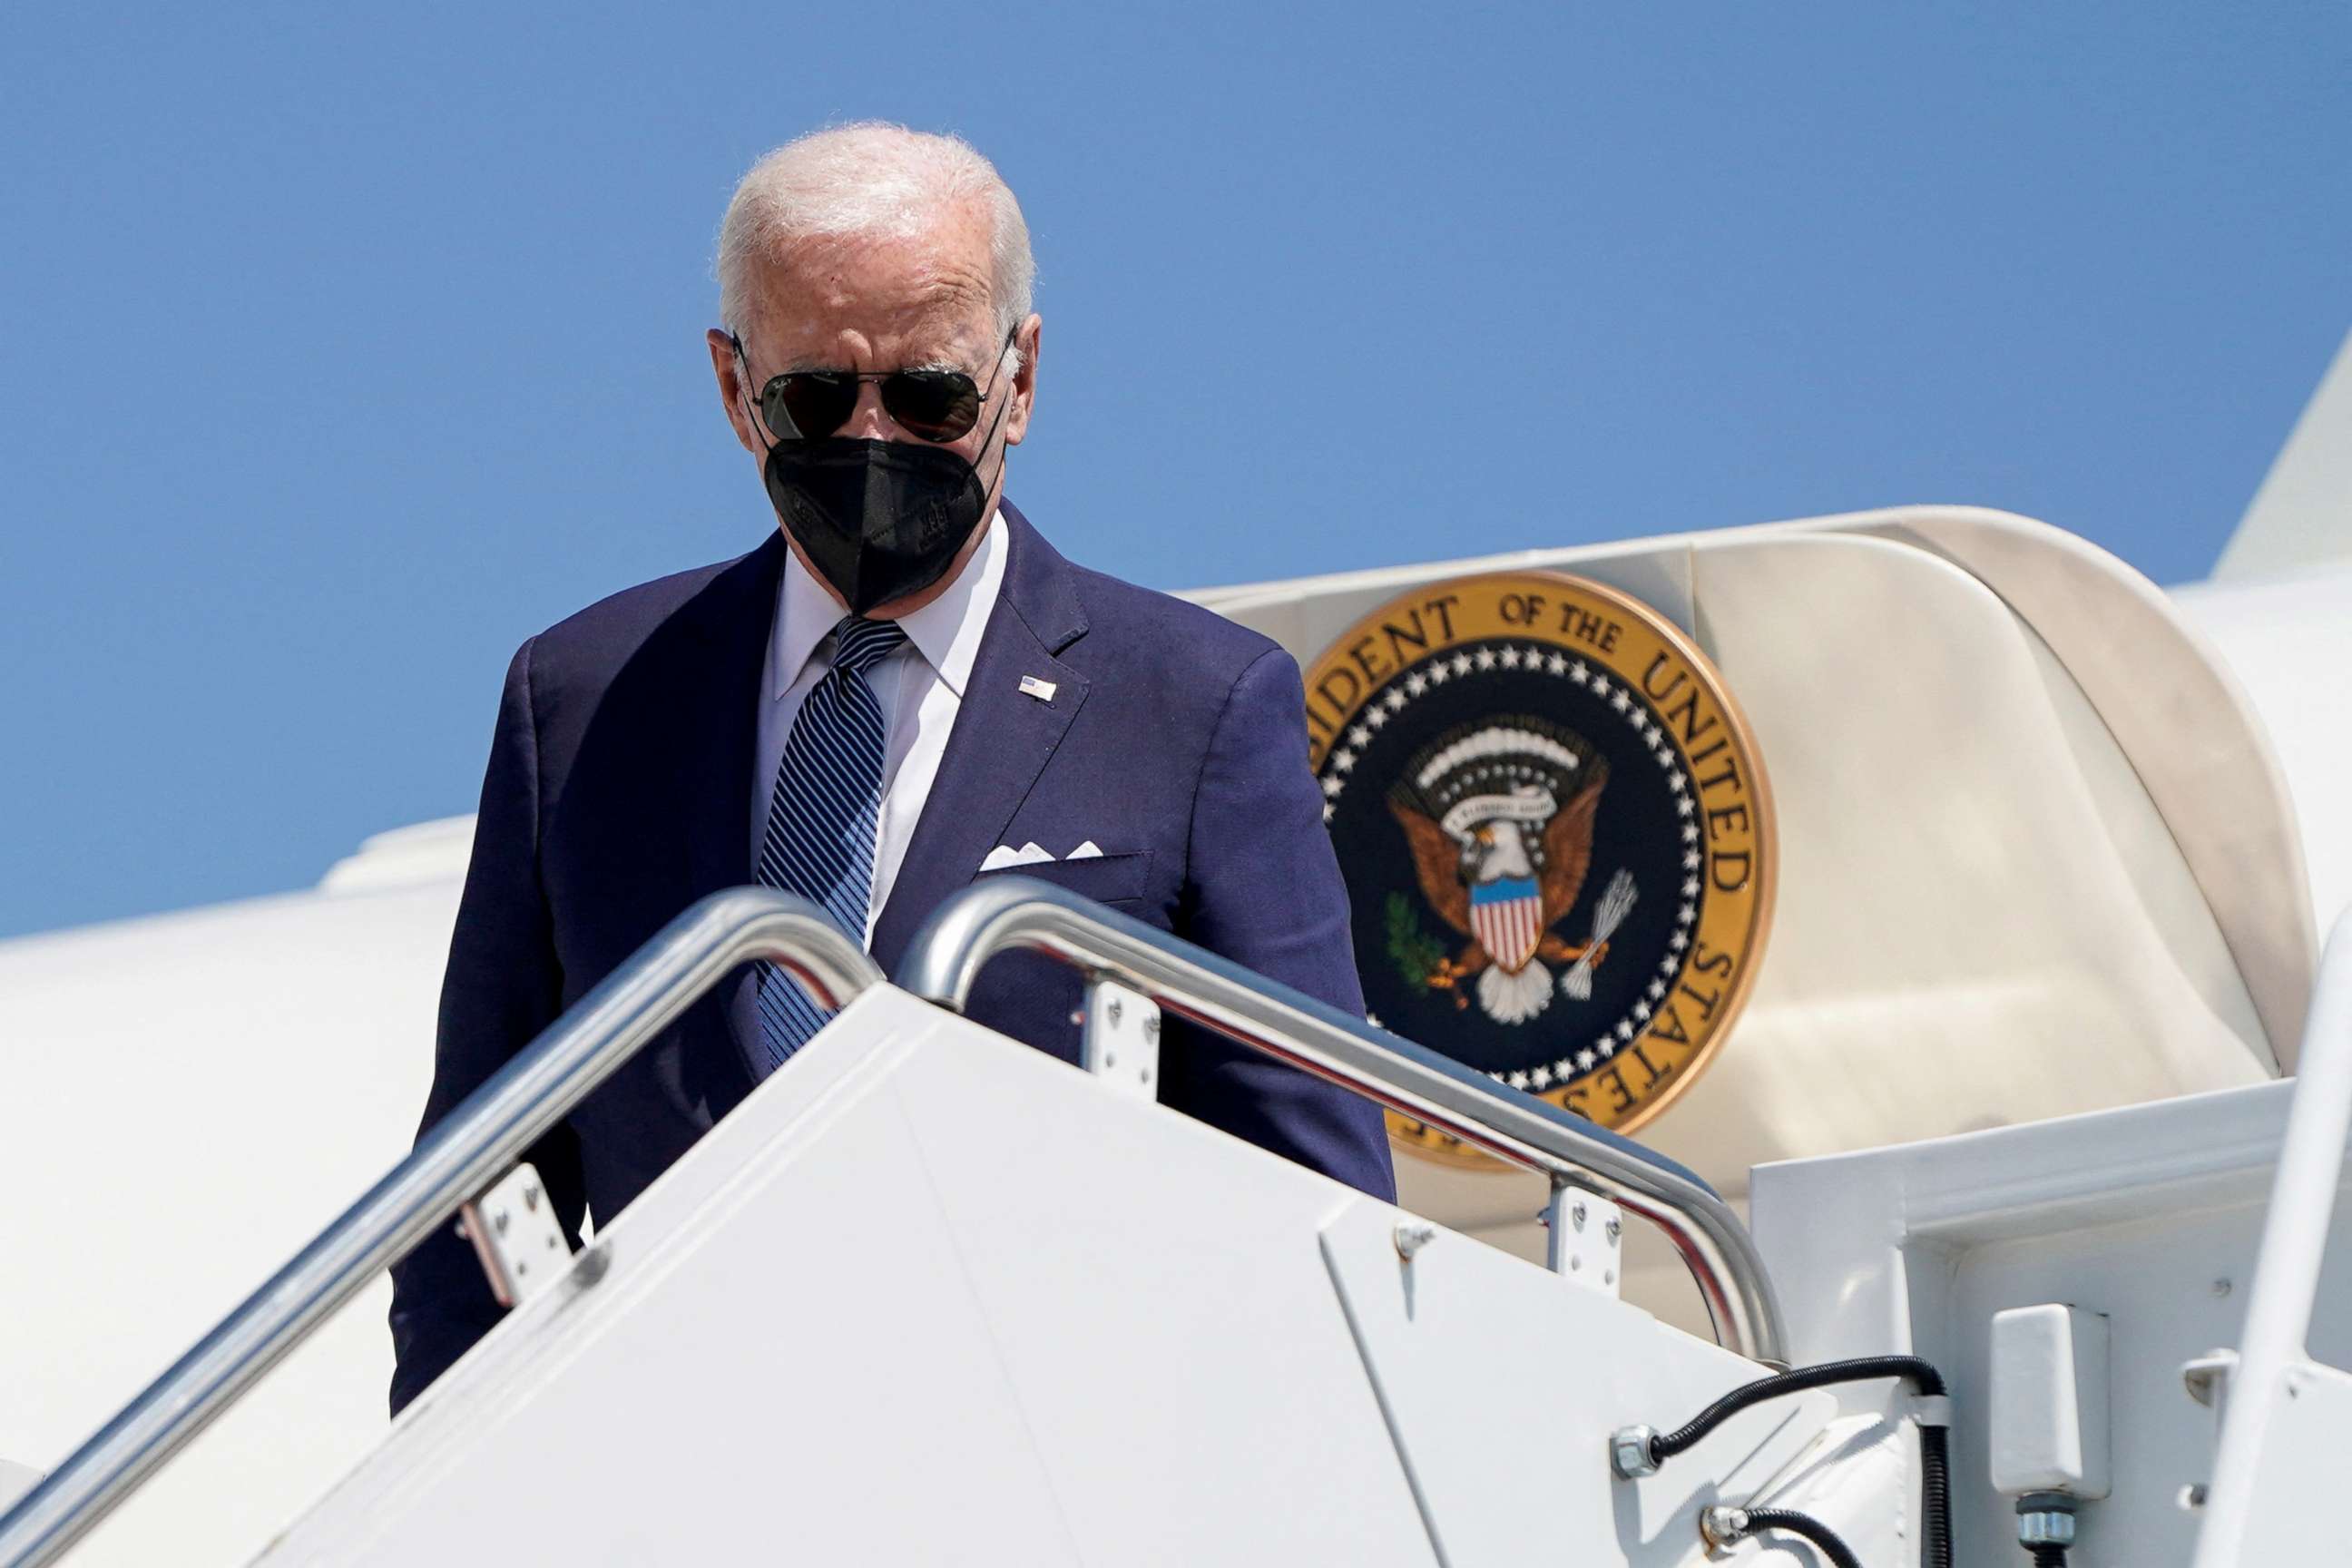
(1557, 837)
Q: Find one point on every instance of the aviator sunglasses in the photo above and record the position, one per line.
(936, 404)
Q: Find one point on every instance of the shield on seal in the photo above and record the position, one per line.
(1507, 917)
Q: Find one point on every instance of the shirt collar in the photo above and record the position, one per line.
(945, 632)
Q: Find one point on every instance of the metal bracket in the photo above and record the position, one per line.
(1121, 1043)
(2207, 1378)
(1722, 1527)
(516, 1235)
(1586, 1243)
(1931, 1409)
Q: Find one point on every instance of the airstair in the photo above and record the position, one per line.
(1101, 1332)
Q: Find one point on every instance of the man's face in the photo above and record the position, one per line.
(873, 304)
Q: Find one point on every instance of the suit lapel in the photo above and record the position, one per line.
(710, 725)
(1002, 737)
(717, 720)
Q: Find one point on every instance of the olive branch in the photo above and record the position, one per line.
(1415, 954)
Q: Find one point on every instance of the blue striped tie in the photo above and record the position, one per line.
(823, 820)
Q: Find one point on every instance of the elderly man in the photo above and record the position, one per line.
(903, 689)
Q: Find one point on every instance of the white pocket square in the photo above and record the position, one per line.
(1034, 854)
(1029, 853)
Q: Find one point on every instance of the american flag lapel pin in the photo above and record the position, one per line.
(1042, 690)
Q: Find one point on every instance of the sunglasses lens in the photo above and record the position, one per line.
(937, 404)
(808, 403)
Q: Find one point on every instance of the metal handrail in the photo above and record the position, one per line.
(491, 1128)
(1007, 913)
(468, 1150)
(2274, 1344)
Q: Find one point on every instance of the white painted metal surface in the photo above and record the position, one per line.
(2285, 643)
(1982, 916)
(2266, 1503)
(184, 1102)
(2302, 515)
(409, 857)
(2295, 1511)
(1109, 1334)
(1500, 1396)
(1020, 1376)
(1858, 1476)
(2195, 743)
(2046, 1406)
(2150, 1214)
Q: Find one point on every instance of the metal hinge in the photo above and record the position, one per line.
(1121, 1044)
(516, 1235)
(1586, 1243)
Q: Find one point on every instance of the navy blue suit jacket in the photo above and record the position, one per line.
(618, 792)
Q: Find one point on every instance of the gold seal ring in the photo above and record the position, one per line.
(1558, 838)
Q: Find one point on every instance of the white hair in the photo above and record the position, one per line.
(870, 177)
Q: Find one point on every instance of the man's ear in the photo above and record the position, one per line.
(1024, 385)
(733, 396)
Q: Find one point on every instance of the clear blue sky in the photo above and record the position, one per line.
(343, 348)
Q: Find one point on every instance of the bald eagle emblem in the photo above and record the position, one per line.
(1498, 815)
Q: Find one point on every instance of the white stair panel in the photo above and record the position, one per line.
(930, 1296)
(1158, 1296)
(766, 1382)
(1504, 1381)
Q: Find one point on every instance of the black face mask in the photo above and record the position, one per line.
(879, 520)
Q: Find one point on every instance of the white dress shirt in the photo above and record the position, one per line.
(919, 688)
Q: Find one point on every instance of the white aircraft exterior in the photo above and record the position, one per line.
(2054, 844)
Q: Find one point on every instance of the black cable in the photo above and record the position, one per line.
(1935, 1453)
(1929, 1381)
(1812, 1529)
(1935, 1498)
